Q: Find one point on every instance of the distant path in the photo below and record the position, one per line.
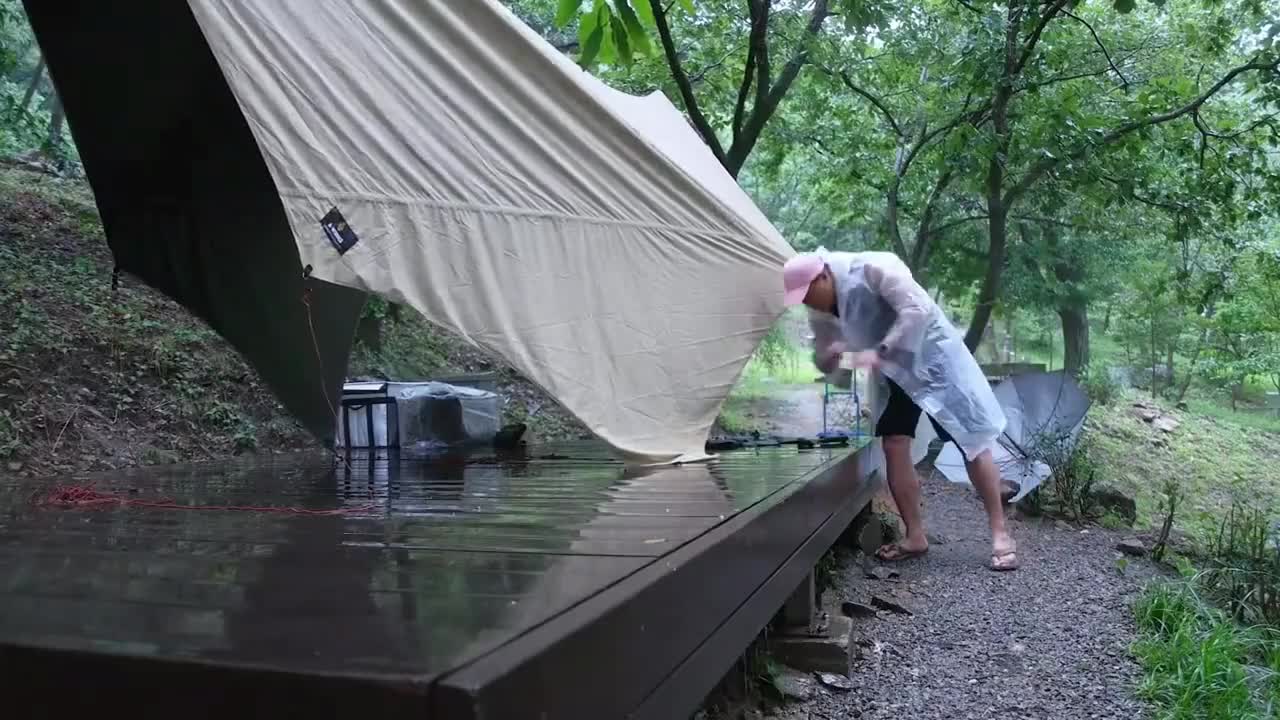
(1048, 641)
(787, 411)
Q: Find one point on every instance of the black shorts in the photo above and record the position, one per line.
(901, 416)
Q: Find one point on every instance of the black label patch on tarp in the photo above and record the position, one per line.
(338, 231)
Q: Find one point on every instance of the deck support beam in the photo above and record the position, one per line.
(799, 610)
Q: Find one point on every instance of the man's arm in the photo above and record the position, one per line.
(911, 303)
(827, 345)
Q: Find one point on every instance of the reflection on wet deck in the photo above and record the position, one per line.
(439, 562)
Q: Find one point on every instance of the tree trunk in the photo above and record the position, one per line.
(1073, 304)
(997, 228)
(1075, 337)
(56, 120)
(369, 332)
(36, 77)
(997, 212)
(1195, 360)
(1151, 358)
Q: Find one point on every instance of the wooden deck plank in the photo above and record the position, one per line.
(439, 564)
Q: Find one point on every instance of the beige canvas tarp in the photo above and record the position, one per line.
(586, 236)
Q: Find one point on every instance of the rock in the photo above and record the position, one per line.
(835, 682)
(857, 609)
(936, 539)
(805, 652)
(1164, 423)
(14, 467)
(1007, 491)
(1118, 502)
(1146, 414)
(1132, 546)
(794, 685)
(880, 572)
(893, 607)
(871, 537)
(1062, 525)
(1182, 405)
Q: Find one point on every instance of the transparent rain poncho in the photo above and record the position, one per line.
(880, 302)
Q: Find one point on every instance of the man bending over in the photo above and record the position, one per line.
(869, 305)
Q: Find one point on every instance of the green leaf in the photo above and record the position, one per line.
(1125, 6)
(608, 48)
(645, 10)
(687, 5)
(635, 31)
(590, 38)
(566, 11)
(620, 41)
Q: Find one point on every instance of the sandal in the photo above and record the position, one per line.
(893, 552)
(1005, 561)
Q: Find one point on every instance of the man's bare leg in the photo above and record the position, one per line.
(904, 484)
(985, 477)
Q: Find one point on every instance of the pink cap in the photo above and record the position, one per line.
(798, 273)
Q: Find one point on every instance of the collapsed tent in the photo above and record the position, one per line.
(1046, 413)
(439, 154)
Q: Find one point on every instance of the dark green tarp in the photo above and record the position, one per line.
(186, 201)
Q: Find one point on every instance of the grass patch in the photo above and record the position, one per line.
(734, 417)
(1213, 457)
(1245, 419)
(1199, 664)
(791, 366)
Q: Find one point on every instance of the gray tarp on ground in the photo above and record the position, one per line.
(586, 236)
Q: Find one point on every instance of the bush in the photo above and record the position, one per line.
(1098, 384)
(1072, 472)
(1243, 572)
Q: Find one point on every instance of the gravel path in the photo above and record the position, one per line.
(1047, 641)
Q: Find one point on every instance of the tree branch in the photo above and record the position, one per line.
(1029, 48)
(956, 223)
(759, 38)
(682, 83)
(965, 115)
(1048, 165)
(701, 75)
(744, 90)
(1124, 82)
(871, 98)
(761, 113)
(924, 233)
(1151, 202)
(1204, 128)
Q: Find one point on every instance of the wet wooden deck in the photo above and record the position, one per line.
(554, 584)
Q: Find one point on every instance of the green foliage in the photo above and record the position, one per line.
(1099, 385)
(610, 31)
(1200, 665)
(1073, 474)
(1243, 572)
(410, 348)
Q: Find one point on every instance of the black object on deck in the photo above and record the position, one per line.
(563, 587)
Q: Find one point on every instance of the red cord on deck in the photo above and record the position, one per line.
(86, 497)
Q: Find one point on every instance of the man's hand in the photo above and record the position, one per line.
(828, 359)
(866, 360)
